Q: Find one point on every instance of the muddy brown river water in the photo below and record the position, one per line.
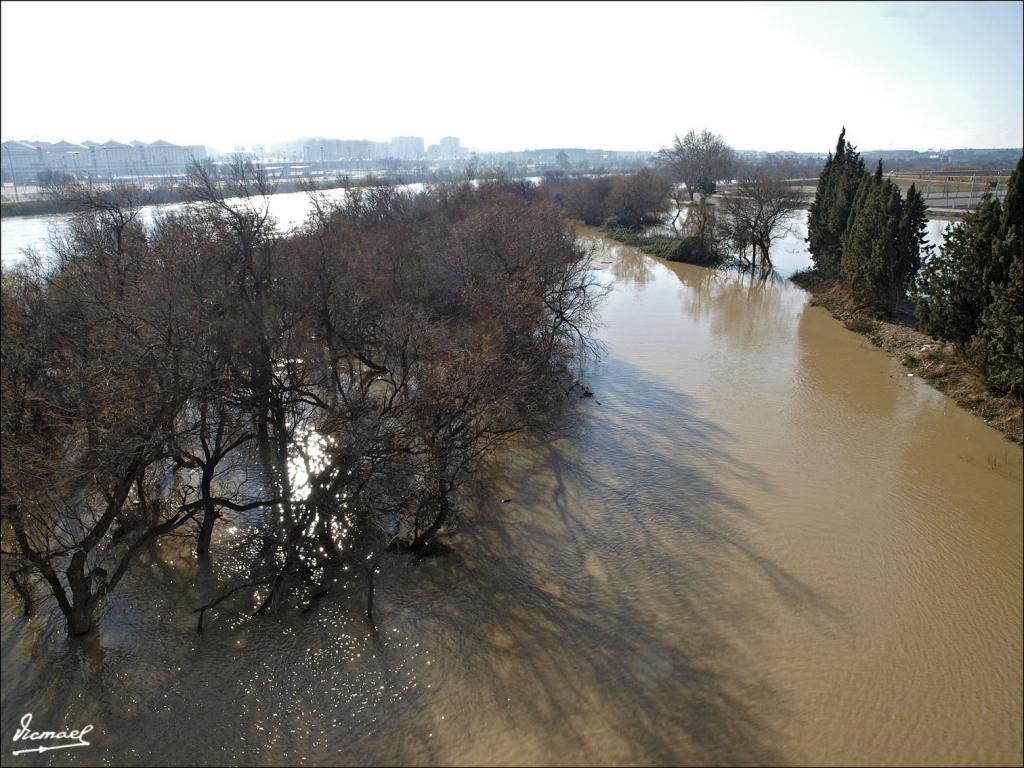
(764, 544)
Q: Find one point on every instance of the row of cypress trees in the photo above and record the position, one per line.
(971, 291)
(861, 230)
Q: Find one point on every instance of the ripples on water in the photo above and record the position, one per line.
(764, 544)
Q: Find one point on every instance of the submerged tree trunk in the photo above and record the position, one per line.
(79, 613)
(20, 585)
(371, 572)
(261, 379)
(326, 538)
(443, 513)
(80, 620)
(369, 592)
(209, 512)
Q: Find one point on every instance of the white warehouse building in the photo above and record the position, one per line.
(29, 161)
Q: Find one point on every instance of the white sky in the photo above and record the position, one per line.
(519, 75)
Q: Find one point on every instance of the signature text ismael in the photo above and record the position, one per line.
(25, 733)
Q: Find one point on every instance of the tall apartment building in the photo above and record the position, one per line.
(407, 147)
(448, 147)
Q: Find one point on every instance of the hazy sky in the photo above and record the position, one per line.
(511, 76)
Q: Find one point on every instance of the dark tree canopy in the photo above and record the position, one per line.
(833, 202)
(882, 243)
(954, 287)
(971, 293)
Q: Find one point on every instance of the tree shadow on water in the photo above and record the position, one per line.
(617, 599)
(609, 613)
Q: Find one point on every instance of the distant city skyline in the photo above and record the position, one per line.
(507, 77)
(267, 145)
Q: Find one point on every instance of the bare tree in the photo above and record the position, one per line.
(374, 359)
(638, 198)
(117, 205)
(699, 161)
(91, 392)
(759, 209)
(629, 201)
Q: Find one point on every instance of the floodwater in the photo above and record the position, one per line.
(761, 542)
(21, 232)
(291, 208)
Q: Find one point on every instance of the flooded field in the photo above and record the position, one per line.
(290, 210)
(21, 232)
(761, 542)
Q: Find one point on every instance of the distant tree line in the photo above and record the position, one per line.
(335, 386)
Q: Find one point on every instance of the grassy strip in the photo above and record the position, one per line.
(662, 246)
(48, 205)
(37, 207)
(937, 362)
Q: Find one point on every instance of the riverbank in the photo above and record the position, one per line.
(756, 536)
(10, 209)
(937, 362)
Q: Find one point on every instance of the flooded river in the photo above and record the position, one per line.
(291, 208)
(21, 232)
(761, 543)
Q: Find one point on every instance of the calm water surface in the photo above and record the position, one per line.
(291, 209)
(765, 543)
(21, 232)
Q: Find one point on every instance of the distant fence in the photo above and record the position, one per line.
(955, 190)
(942, 190)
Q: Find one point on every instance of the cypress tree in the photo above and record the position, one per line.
(912, 237)
(888, 270)
(817, 220)
(834, 199)
(999, 344)
(941, 308)
(882, 242)
(956, 284)
(867, 183)
(863, 230)
(1011, 233)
